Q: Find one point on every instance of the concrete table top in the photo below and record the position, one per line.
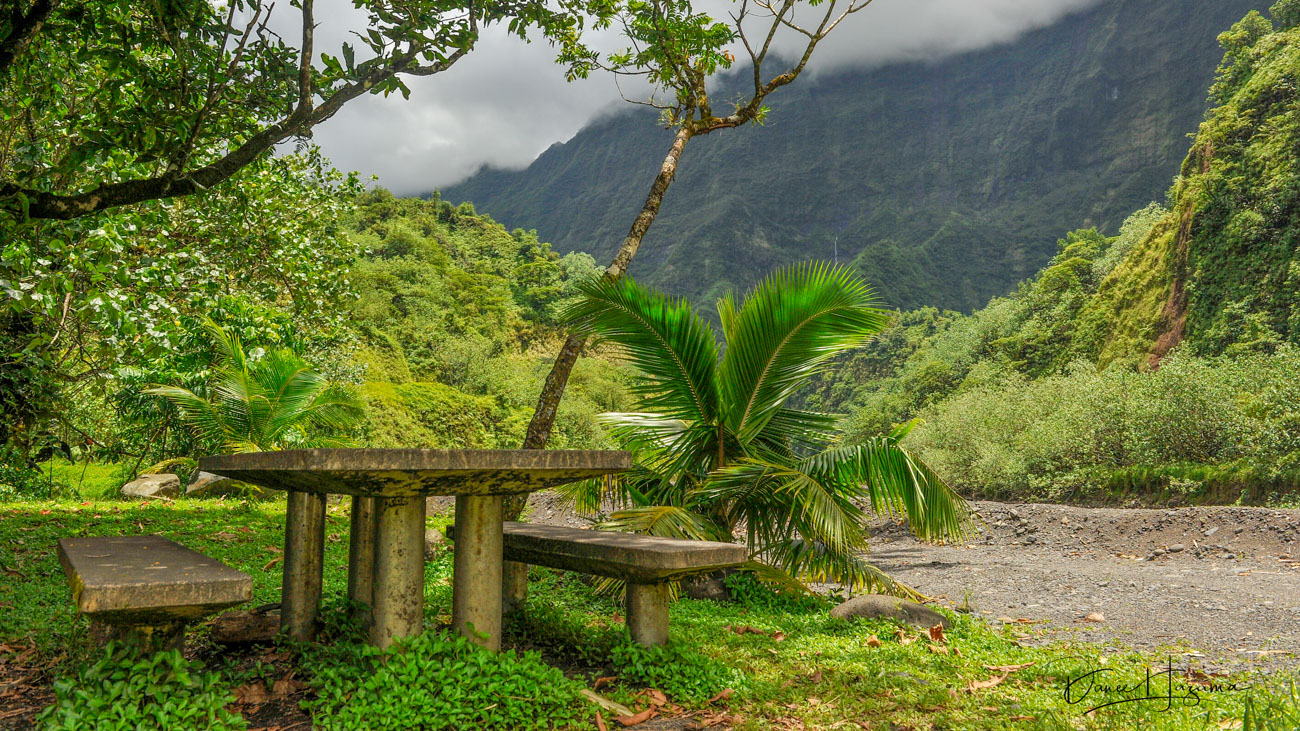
(637, 558)
(416, 472)
(148, 579)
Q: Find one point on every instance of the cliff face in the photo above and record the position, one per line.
(944, 183)
(1222, 270)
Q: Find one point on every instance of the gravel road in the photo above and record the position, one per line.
(1221, 580)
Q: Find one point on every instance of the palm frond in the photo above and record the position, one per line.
(204, 421)
(779, 500)
(785, 333)
(668, 521)
(663, 337)
(897, 482)
(798, 430)
(815, 563)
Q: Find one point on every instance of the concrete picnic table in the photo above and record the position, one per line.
(386, 550)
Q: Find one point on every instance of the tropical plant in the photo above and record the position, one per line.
(718, 448)
(263, 401)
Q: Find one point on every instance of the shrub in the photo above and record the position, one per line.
(684, 675)
(125, 690)
(436, 681)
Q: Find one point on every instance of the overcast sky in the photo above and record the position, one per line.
(506, 101)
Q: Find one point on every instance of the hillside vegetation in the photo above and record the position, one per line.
(456, 324)
(1164, 360)
(945, 183)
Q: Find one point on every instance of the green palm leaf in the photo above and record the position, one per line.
(898, 483)
(785, 333)
(673, 348)
(668, 521)
(815, 563)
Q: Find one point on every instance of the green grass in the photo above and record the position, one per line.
(801, 665)
(87, 479)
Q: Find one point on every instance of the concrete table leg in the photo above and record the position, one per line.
(476, 584)
(361, 558)
(304, 546)
(647, 613)
(514, 587)
(147, 639)
(399, 570)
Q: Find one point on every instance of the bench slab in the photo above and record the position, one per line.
(636, 558)
(148, 579)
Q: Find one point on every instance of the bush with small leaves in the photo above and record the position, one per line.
(683, 674)
(437, 681)
(127, 691)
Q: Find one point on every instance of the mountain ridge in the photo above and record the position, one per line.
(955, 188)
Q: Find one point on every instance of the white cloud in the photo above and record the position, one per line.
(507, 101)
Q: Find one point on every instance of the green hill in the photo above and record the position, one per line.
(946, 182)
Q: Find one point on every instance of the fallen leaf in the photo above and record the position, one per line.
(601, 682)
(873, 641)
(937, 649)
(1230, 723)
(224, 537)
(1094, 617)
(636, 719)
(936, 634)
(975, 685)
(600, 722)
(779, 636)
(903, 639)
(272, 562)
(722, 695)
(744, 629)
(1008, 668)
(814, 701)
(657, 697)
(816, 677)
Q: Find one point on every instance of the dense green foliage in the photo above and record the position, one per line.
(457, 322)
(683, 674)
(717, 446)
(126, 691)
(438, 682)
(262, 402)
(945, 182)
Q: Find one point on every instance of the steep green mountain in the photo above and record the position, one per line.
(946, 183)
(1163, 360)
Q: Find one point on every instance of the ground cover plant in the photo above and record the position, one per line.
(759, 661)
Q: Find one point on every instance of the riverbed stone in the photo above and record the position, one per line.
(149, 486)
(881, 606)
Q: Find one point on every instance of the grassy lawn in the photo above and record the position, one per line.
(789, 666)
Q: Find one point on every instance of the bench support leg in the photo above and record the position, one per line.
(514, 587)
(304, 545)
(399, 570)
(647, 613)
(361, 558)
(147, 638)
(476, 584)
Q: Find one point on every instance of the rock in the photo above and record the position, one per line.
(206, 484)
(147, 486)
(710, 587)
(433, 540)
(879, 606)
(1176, 548)
(1211, 531)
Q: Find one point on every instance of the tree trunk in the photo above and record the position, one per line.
(548, 403)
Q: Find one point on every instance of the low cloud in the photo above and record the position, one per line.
(507, 101)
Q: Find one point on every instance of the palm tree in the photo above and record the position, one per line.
(718, 447)
(276, 401)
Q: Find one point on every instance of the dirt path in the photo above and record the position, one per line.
(1222, 580)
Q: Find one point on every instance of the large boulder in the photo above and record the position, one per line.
(206, 484)
(149, 486)
(880, 606)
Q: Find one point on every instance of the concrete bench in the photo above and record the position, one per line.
(647, 563)
(144, 589)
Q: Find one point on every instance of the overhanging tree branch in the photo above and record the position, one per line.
(23, 27)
